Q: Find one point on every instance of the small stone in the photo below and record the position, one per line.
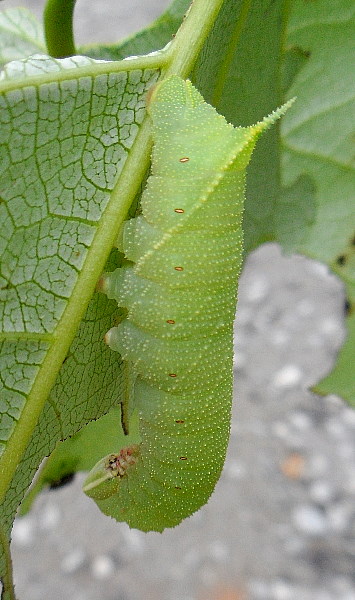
(343, 587)
(73, 561)
(293, 466)
(191, 558)
(239, 360)
(330, 326)
(234, 469)
(50, 517)
(310, 520)
(23, 531)
(349, 486)
(340, 516)
(300, 420)
(287, 377)
(321, 492)
(134, 539)
(207, 576)
(305, 307)
(280, 429)
(279, 337)
(80, 596)
(257, 289)
(346, 451)
(321, 594)
(281, 591)
(197, 517)
(259, 589)
(102, 566)
(314, 340)
(294, 545)
(334, 402)
(335, 428)
(218, 551)
(243, 316)
(320, 269)
(317, 465)
(348, 416)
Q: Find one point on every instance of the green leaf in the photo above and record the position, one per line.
(341, 379)
(313, 213)
(71, 144)
(150, 39)
(318, 135)
(20, 35)
(319, 149)
(244, 84)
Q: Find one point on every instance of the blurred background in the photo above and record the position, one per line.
(103, 20)
(280, 525)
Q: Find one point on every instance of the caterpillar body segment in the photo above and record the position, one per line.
(180, 295)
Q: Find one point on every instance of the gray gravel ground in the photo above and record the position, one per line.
(280, 525)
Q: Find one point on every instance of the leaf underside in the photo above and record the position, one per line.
(69, 143)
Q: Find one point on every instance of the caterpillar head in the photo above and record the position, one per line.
(104, 478)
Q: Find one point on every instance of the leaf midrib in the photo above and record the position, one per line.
(107, 230)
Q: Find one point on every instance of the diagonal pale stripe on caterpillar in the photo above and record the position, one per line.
(180, 295)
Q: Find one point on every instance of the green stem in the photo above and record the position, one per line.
(7, 578)
(230, 51)
(58, 27)
(191, 36)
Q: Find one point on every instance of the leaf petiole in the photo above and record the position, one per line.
(58, 28)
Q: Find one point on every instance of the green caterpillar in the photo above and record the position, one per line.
(180, 294)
